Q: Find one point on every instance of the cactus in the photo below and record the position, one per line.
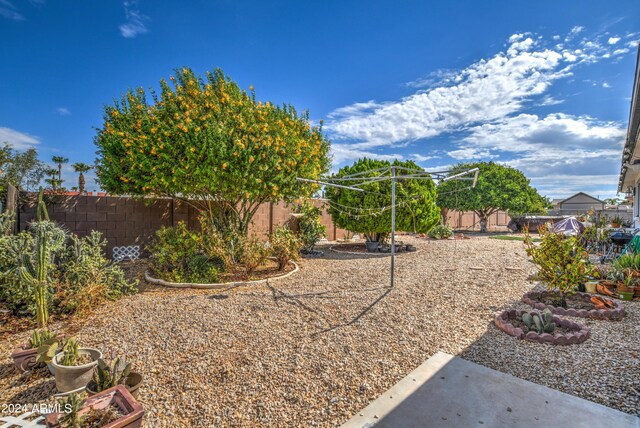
(71, 406)
(39, 337)
(70, 353)
(539, 322)
(48, 350)
(34, 269)
(110, 375)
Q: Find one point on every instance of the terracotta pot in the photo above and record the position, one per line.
(636, 292)
(133, 382)
(615, 225)
(24, 358)
(117, 396)
(622, 288)
(70, 378)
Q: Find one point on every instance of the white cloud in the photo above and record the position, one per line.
(18, 140)
(620, 51)
(63, 111)
(574, 32)
(135, 23)
(470, 153)
(9, 11)
(486, 90)
(342, 153)
(613, 40)
(606, 85)
(421, 158)
(549, 100)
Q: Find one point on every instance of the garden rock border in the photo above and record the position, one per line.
(377, 254)
(580, 334)
(533, 298)
(217, 285)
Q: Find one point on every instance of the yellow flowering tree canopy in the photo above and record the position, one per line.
(209, 142)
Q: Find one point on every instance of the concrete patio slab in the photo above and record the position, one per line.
(447, 391)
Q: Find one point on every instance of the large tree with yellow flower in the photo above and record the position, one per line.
(209, 142)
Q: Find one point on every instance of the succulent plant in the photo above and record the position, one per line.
(39, 337)
(109, 375)
(49, 348)
(71, 406)
(70, 353)
(539, 322)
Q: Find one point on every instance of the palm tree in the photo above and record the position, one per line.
(81, 168)
(59, 160)
(53, 180)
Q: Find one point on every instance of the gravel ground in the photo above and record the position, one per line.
(313, 349)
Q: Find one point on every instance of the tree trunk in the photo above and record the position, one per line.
(483, 222)
(81, 183)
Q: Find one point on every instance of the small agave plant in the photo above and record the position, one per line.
(539, 322)
(109, 375)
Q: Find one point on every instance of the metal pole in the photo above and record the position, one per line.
(393, 222)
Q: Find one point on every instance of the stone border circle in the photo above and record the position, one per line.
(533, 298)
(580, 333)
(218, 285)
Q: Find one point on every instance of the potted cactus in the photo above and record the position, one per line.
(74, 366)
(118, 372)
(113, 408)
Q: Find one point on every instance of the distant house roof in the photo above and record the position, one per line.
(634, 126)
(562, 201)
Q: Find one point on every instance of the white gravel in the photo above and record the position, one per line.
(314, 348)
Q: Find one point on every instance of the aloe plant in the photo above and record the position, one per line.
(70, 353)
(39, 337)
(109, 375)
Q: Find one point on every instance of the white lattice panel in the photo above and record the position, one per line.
(131, 252)
(25, 420)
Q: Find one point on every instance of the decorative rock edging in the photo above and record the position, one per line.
(333, 248)
(218, 285)
(580, 333)
(533, 298)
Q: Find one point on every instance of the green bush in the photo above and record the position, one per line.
(310, 224)
(562, 261)
(79, 274)
(441, 231)
(177, 255)
(627, 261)
(87, 277)
(285, 246)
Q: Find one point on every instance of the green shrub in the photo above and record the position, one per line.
(16, 295)
(627, 261)
(310, 224)
(562, 261)
(87, 277)
(177, 255)
(78, 273)
(285, 246)
(441, 231)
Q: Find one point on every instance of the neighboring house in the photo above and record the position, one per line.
(629, 182)
(579, 203)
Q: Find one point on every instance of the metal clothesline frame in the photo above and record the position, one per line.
(413, 174)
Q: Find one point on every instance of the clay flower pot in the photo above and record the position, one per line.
(24, 358)
(117, 396)
(71, 378)
(133, 382)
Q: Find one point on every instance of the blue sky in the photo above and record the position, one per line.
(543, 86)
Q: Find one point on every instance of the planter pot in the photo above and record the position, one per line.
(615, 225)
(636, 292)
(372, 246)
(622, 288)
(70, 378)
(625, 295)
(134, 380)
(590, 286)
(132, 411)
(24, 358)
